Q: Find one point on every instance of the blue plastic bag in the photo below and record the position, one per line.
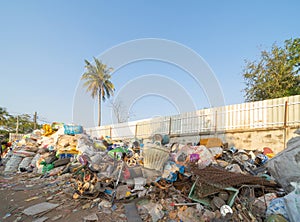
(277, 206)
(73, 129)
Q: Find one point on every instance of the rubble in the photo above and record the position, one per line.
(155, 181)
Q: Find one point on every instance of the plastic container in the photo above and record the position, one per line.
(233, 150)
(261, 159)
(225, 209)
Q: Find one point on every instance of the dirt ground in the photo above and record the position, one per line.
(19, 191)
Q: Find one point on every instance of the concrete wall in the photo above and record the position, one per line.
(258, 139)
(250, 140)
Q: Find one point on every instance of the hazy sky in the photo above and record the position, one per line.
(43, 45)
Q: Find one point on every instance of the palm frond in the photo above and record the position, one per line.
(97, 79)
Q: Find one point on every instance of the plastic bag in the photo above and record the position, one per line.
(25, 163)
(155, 210)
(170, 171)
(85, 149)
(292, 202)
(117, 153)
(24, 153)
(56, 125)
(57, 134)
(277, 206)
(183, 155)
(73, 129)
(47, 130)
(216, 151)
(12, 164)
(46, 167)
(85, 145)
(7, 157)
(284, 167)
(98, 144)
(206, 158)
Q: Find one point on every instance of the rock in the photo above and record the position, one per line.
(18, 219)
(49, 198)
(86, 206)
(96, 200)
(39, 208)
(41, 219)
(57, 217)
(91, 217)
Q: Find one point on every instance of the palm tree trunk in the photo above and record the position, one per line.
(99, 108)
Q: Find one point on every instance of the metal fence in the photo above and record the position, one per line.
(15, 136)
(273, 113)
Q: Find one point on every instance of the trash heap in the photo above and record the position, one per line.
(160, 181)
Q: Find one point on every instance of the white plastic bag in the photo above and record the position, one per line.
(206, 158)
(284, 167)
(85, 145)
(34, 160)
(25, 163)
(292, 202)
(13, 164)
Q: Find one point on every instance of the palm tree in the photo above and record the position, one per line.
(97, 82)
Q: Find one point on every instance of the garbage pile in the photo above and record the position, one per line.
(160, 181)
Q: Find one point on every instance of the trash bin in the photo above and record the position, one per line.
(155, 156)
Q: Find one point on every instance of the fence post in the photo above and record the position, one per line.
(216, 121)
(285, 123)
(170, 124)
(136, 128)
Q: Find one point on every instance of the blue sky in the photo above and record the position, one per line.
(43, 45)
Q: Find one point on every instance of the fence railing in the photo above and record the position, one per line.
(273, 113)
(15, 136)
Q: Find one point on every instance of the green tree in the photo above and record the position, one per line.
(292, 46)
(8, 123)
(25, 123)
(4, 122)
(275, 74)
(4, 117)
(97, 82)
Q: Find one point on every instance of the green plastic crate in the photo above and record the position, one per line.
(206, 201)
